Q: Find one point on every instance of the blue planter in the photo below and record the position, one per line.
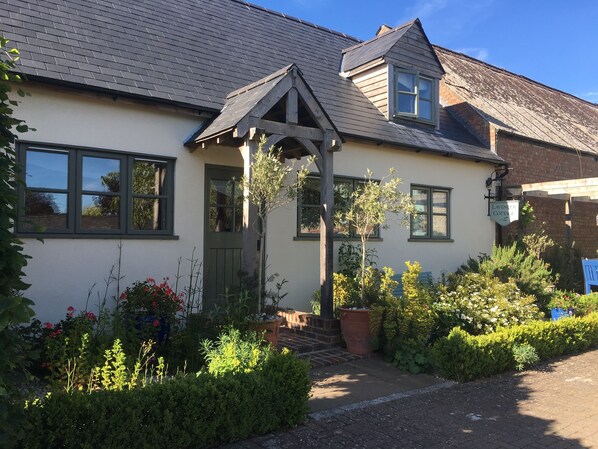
(557, 313)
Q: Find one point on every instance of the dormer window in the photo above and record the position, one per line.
(415, 96)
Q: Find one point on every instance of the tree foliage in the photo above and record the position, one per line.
(270, 187)
(371, 205)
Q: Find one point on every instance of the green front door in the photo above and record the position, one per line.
(223, 241)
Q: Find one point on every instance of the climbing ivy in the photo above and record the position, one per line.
(14, 308)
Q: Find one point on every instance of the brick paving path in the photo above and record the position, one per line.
(553, 406)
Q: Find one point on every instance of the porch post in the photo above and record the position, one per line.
(569, 221)
(326, 227)
(250, 239)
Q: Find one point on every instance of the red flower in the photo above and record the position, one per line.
(48, 325)
(90, 316)
(154, 305)
(156, 323)
(70, 311)
(123, 295)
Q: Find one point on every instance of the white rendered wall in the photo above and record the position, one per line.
(62, 270)
(471, 228)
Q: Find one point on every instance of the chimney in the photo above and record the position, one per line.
(383, 29)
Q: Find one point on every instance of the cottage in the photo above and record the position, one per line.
(144, 113)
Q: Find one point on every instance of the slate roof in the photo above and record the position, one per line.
(240, 102)
(519, 105)
(194, 53)
(373, 49)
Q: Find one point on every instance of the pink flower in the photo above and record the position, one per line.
(48, 325)
(90, 316)
(70, 311)
(156, 323)
(123, 295)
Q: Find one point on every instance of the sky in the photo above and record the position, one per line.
(554, 42)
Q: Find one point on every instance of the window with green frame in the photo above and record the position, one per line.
(431, 219)
(91, 192)
(415, 96)
(308, 206)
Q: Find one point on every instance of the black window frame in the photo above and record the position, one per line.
(355, 181)
(430, 214)
(75, 190)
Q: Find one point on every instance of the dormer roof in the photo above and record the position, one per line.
(406, 46)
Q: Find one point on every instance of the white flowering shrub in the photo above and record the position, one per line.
(480, 304)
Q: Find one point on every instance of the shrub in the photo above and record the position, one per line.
(481, 303)
(410, 316)
(235, 352)
(464, 357)
(531, 274)
(195, 411)
(413, 355)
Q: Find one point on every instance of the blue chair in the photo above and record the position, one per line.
(425, 278)
(590, 274)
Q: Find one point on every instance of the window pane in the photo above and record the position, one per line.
(47, 211)
(440, 202)
(46, 170)
(425, 109)
(440, 226)
(149, 214)
(309, 220)
(149, 177)
(101, 174)
(100, 212)
(406, 82)
(419, 225)
(420, 199)
(407, 103)
(342, 195)
(310, 192)
(425, 89)
(221, 192)
(221, 219)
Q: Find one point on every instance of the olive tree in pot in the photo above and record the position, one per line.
(271, 186)
(371, 206)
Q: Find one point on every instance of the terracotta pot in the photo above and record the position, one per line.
(356, 329)
(272, 328)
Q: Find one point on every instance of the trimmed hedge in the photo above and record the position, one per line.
(188, 412)
(463, 357)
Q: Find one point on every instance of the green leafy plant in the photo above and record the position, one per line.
(480, 303)
(15, 309)
(349, 258)
(413, 355)
(525, 355)
(235, 352)
(370, 206)
(269, 188)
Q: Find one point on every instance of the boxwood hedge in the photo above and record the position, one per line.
(195, 411)
(464, 357)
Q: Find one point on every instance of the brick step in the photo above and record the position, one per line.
(330, 357)
(302, 344)
(324, 336)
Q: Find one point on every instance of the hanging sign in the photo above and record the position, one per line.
(504, 212)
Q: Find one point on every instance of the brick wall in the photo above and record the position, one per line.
(535, 162)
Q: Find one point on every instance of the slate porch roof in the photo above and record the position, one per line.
(194, 53)
(522, 106)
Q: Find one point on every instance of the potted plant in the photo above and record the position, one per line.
(370, 206)
(268, 320)
(152, 306)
